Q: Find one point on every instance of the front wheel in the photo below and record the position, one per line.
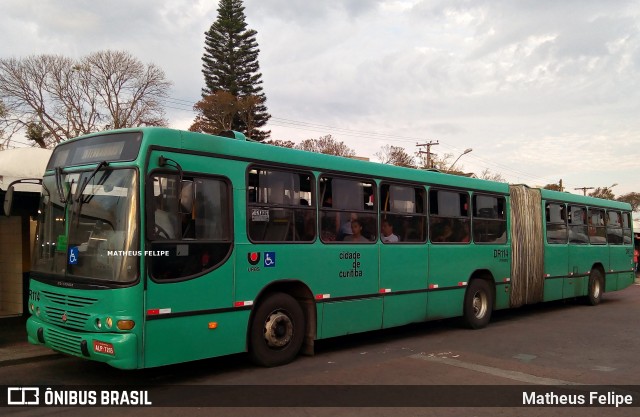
(596, 288)
(478, 304)
(277, 331)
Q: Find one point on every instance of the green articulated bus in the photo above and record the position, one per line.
(156, 246)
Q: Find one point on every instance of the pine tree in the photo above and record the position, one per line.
(230, 63)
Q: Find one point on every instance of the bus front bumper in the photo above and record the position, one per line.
(119, 350)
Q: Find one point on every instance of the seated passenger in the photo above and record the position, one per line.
(356, 236)
(387, 233)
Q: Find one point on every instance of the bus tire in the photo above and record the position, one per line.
(596, 287)
(277, 331)
(478, 304)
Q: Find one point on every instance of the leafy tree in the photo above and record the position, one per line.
(553, 187)
(230, 63)
(602, 192)
(631, 198)
(491, 176)
(55, 98)
(327, 145)
(395, 155)
(215, 113)
(281, 143)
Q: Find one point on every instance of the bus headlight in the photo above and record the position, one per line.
(109, 322)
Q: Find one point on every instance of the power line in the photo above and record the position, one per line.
(315, 127)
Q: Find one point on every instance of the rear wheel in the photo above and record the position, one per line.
(478, 304)
(596, 287)
(277, 331)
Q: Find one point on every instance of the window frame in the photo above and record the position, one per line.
(584, 225)
(565, 223)
(475, 218)
(321, 209)
(597, 228)
(461, 219)
(150, 214)
(610, 228)
(384, 213)
(252, 205)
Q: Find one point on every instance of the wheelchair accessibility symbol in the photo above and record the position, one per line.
(73, 255)
(269, 259)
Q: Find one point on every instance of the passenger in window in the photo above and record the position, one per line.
(345, 229)
(443, 233)
(356, 236)
(387, 233)
(463, 234)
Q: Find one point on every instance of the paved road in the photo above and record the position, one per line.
(561, 343)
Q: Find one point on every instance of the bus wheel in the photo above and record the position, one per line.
(478, 304)
(596, 288)
(277, 331)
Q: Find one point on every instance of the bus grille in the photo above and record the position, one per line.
(64, 342)
(66, 318)
(68, 300)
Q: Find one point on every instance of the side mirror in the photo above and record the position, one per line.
(8, 201)
(8, 197)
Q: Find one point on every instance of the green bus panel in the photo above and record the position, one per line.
(556, 269)
(336, 270)
(446, 303)
(553, 288)
(621, 263)
(404, 308)
(354, 316)
(171, 340)
(404, 268)
(625, 279)
(581, 260)
(182, 337)
(503, 296)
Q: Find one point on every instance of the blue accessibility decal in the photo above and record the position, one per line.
(269, 259)
(74, 253)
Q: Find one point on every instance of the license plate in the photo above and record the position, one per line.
(103, 347)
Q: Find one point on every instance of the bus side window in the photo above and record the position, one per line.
(404, 217)
(201, 235)
(449, 220)
(556, 219)
(489, 219)
(280, 206)
(614, 228)
(597, 231)
(578, 233)
(348, 212)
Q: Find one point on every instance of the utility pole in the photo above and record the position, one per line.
(428, 151)
(584, 189)
(560, 184)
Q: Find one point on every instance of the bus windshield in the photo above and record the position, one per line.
(89, 229)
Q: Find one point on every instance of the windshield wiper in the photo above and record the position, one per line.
(81, 189)
(59, 187)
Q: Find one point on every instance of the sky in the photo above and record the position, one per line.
(541, 90)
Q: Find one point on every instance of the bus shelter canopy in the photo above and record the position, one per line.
(21, 163)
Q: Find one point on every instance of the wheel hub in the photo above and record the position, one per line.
(479, 305)
(278, 330)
